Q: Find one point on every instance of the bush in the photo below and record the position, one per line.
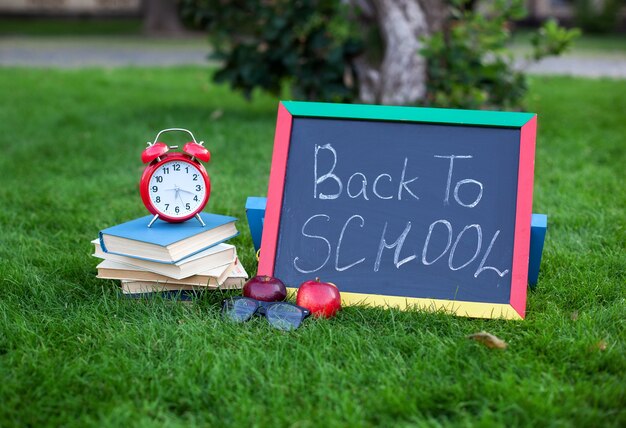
(469, 64)
(595, 16)
(307, 43)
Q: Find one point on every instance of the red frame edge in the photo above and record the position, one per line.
(523, 216)
(269, 239)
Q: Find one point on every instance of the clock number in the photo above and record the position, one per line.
(159, 179)
(187, 206)
(176, 167)
(167, 207)
(166, 170)
(187, 169)
(198, 187)
(158, 199)
(195, 198)
(177, 210)
(195, 177)
(155, 188)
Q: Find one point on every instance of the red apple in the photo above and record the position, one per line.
(321, 298)
(266, 288)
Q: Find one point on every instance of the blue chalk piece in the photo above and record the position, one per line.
(255, 211)
(538, 227)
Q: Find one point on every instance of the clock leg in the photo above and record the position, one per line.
(153, 220)
(200, 220)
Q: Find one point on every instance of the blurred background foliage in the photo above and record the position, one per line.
(307, 43)
(470, 64)
(311, 46)
(597, 17)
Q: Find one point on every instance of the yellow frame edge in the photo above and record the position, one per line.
(454, 307)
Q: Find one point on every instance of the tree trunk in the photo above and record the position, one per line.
(399, 77)
(161, 18)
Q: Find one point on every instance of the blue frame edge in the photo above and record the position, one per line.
(538, 228)
(255, 212)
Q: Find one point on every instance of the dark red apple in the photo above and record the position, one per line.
(266, 288)
(321, 298)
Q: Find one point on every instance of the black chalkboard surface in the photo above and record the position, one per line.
(403, 206)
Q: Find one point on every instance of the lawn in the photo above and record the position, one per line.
(72, 352)
(585, 45)
(16, 26)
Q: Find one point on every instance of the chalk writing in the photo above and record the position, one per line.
(343, 230)
(328, 185)
(358, 176)
(295, 261)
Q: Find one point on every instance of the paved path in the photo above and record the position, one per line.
(64, 52)
(583, 65)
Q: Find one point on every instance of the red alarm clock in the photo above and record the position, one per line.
(175, 186)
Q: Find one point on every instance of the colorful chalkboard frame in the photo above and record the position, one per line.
(525, 122)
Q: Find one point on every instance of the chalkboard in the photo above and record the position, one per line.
(403, 206)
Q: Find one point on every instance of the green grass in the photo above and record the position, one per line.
(586, 44)
(608, 43)
(73, 353)
(70, 27)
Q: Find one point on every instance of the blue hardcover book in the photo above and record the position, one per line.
(167, 242)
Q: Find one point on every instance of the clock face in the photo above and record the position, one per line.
(177, 189)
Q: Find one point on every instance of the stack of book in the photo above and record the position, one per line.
(170, 258)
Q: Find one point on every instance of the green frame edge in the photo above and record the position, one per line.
(408, 114)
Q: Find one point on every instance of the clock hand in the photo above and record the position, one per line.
(179, 197)
(186, 191)
(178, 189)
